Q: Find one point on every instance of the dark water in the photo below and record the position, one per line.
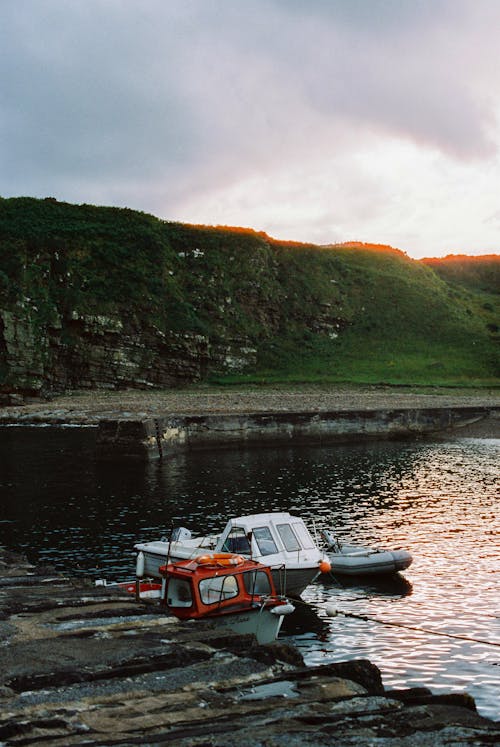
(436, 625)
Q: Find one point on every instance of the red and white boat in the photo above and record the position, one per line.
(277, 540)
(228, 590)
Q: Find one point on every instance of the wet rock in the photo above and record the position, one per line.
(361, 671)
(268, 653)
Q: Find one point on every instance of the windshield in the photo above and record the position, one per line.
(237, 541)
(290, 541)
(217, 589)
(179, 593)
(264, 540)
(257, 582)
(304, 536)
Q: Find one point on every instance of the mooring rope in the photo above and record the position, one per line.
(368, 618)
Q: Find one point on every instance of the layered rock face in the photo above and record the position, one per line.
(96, 351)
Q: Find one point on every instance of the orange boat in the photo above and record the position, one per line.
(227, 589)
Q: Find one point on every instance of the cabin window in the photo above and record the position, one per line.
(290, 541)
(257, 582)
(179, 593)
(304, 536)
(265, 542)
(217, 589)
(237, 541)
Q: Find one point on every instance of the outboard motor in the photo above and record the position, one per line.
(180, 533)
(331, 540)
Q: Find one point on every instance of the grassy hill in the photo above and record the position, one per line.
(74, 279)
(475, 273)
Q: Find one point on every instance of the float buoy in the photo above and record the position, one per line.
(139, 565)
(220, 558)
(325, 566)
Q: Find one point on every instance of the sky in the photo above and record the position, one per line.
(321, 121)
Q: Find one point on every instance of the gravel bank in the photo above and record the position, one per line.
(85, 407)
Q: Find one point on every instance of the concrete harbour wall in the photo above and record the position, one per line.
(153, 438)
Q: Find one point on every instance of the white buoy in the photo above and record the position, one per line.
(282, 609)
(139, 565)
(330, 610)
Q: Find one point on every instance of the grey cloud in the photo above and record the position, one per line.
(409, 69)
(83, 92)
(370, 15)
(147, 102)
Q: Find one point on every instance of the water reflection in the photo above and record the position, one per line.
(439, 500)
(394, 585)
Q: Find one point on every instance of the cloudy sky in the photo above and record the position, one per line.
(312, 120)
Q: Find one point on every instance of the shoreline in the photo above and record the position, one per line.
(152, 425)
(94, 405)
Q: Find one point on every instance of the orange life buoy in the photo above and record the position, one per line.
(220, 558)
(203, 559)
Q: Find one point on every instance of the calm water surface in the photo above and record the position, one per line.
(437, 625)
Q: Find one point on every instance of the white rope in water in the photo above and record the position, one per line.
(414, 602)
(332, 612)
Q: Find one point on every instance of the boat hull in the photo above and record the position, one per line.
(261, 623)
(292, 581)
(358, 561)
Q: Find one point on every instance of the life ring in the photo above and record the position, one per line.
(220, 558)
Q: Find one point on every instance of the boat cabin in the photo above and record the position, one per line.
(216, 584)
(262, 535)
(277, 540)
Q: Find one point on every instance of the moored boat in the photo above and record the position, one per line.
(357, 560)
(277, 540)
(227, 590)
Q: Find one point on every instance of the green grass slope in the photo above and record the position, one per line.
(354, 313)
(406, 325)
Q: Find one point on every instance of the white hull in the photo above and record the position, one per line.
(260, 622)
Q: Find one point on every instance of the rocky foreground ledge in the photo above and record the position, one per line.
(86, 665)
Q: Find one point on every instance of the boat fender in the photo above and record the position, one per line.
(139, 565)
(325, 566)
(282, 609)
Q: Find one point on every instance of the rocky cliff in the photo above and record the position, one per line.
(110, 298)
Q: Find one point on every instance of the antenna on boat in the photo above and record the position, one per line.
(170, 542)
(315, 531)
(164, 582)
(282, 577)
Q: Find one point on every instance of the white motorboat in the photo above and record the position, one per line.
(278, 540)
(356, 560)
